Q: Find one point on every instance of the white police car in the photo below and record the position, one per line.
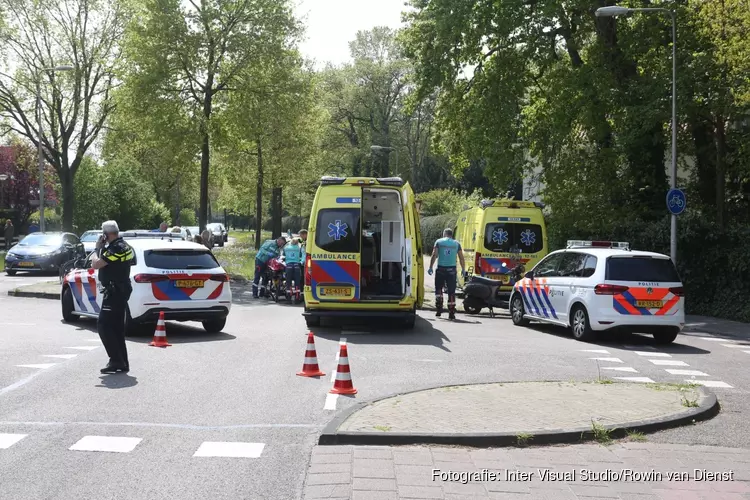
(180, 278)
(601, 285)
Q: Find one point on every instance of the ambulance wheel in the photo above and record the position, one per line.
(215, 325)
(666, 337)
(517, 311)
(312, 321)
(410, 321)
(67, 307)
(580, 325)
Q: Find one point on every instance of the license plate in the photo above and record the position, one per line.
(330, 291)
(649, 304)
(189, 283)
(25, 264)
(499, 277)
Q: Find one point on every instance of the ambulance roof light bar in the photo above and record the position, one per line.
(623, 245)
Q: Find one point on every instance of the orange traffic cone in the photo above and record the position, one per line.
(160, 335)
(343, 383)
(310, 367)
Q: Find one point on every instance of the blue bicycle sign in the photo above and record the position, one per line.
(676, 201)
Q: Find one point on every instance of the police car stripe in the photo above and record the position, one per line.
(539, 299)
(530, 295)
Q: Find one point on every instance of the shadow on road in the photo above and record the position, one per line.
(385, 333)
(180, 332)
(117, 381)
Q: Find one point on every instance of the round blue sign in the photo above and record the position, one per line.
(676, 201)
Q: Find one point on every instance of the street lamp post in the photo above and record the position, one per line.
(385, 148)
(616, 10)
(3, 178)
(40, 157)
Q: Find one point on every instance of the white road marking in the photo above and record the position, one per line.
(710, 383)
(596, 351)
(645, 380)
(60, 356)
(620, 369)
(735, 346)
(668, 362)
(93, 340)
(17, 324)
(430, 360)
(694, 373)
(41, 366)
(106, 443)
(714, 339)
(8, 440)
(608, 360)
(165, 426)
(331, 400)
(227, 449)
(84, 347)
(654, 354)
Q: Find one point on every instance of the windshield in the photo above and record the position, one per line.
(513, 237)
(641, 269)
(90, 236)
(338, 230)
(214, 227)
(180, 259)
(41, 240)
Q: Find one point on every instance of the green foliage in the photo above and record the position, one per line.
(293, 222)
(432, 229)
(447, 201)
(187, 217)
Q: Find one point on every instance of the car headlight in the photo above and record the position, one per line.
(12, 255)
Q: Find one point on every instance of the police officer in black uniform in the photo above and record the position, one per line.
(113, 260)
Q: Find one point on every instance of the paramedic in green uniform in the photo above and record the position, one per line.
(445, 251)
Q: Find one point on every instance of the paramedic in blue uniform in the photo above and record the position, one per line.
(270, 249)
(113, 259)
(446, 251)
(294, 257)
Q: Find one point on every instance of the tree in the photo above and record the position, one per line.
(74, 105)
(191, 53)
(18, 162)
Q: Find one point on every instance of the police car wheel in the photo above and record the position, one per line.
(517, 312)
(579, 323)
(215, 325)
(665, 337)
(67, 307)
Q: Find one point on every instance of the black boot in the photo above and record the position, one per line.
(114, 368)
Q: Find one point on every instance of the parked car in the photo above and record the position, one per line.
(193, 230)
(219, 232)
(43, 252)
(89, 240)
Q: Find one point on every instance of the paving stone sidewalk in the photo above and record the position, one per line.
(626, 470)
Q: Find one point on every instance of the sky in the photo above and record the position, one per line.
(332, 24)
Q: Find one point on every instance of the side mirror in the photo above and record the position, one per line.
(79, 263)
(529, 275)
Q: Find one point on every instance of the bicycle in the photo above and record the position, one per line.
(65, 268)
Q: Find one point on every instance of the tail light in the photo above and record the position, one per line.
(677, 290)
(308, 270)
(220, 277)
(150, 278)
(609, 289)
(478, 264)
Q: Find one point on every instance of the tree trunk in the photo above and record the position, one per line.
(705, 158)
(721, 151)
(276, 209)
(259, 198)
(205, 154)
(68, 199)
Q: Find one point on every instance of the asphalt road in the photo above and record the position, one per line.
(240, 387)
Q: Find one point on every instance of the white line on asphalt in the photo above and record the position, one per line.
(167, 426)
(17, 324)
(596, 351)
(60, 356)
(608, 360)
(41, 366)
(20, 383)
(93, 340)
(84, 347)
(694, 373)
(714, 339)
(8, 440)
(106, 443)
(645, 380)
(331, 400)
(620, 369)
(430, 360)
(710, 383)
(654, 354)
(231, 450)
(735, 346)
(668, 362)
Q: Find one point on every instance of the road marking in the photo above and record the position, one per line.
(710, 383)
(84, 347)
(596, 351)
(106, 443)
(60, 356)
(620, 369)
(735, 346)
(41, 366)
(714, 339)
(167, 426)
(644, 380)
(93, 340)
(231, 450)
(694, 373)
(653, 354)
(8, 440)
(20, 383)
(17, 324)
(331, 401)
(668, 362)
(430, 360)
(608, 360)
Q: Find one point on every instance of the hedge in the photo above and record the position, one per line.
(432, 229)
(293, 222)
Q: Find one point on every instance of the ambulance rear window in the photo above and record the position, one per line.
(338, 230)
(641, 269)
(513, 237)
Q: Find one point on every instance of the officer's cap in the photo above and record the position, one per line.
(110, 227)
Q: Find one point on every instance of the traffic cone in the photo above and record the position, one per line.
(160, 335)
(310, 367)
(343, 383)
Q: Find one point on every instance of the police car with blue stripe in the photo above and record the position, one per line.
(593, 286)
(182, 279)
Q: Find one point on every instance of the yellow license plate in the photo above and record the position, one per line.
(189, 283)
(330, 291)
(25, 264)
(499, 277)
(649, 304)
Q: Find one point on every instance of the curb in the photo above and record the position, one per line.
(330, 436)
(34, 295)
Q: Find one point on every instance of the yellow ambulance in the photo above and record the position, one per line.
(364, 251)
(509, 232)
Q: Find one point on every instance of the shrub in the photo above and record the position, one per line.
(446, 201)
(432, 229)
(187, 217)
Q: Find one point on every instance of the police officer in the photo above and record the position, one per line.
(113, 259)
(445, 251)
